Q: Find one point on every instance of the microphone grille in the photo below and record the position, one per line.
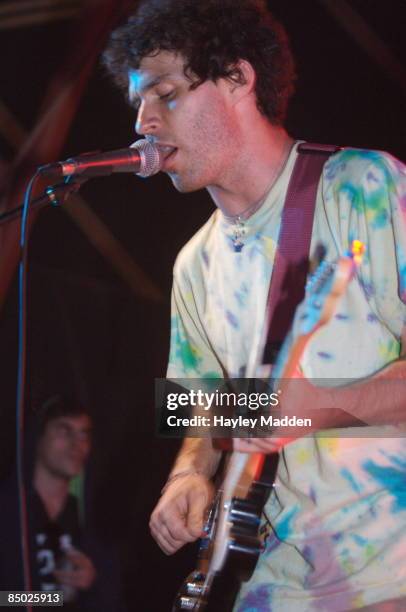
(151, 157)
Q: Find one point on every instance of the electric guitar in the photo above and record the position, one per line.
(231, 547)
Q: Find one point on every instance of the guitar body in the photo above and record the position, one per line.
(216, 591)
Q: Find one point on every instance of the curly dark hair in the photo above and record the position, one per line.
(211, 35)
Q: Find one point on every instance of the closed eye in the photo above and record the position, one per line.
(167, 96)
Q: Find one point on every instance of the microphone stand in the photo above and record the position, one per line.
(54, 195)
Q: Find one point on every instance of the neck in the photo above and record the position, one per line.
(52, 489)
(254, 171)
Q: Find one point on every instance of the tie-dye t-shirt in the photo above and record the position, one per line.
(338, 510)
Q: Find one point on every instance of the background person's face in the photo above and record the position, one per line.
(65, 445)
(198, 125)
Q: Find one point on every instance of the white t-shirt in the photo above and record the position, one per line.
(338, 511)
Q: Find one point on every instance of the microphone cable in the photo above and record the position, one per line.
(21, 391)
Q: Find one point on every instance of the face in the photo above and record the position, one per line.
(65, 445)
(196, 128)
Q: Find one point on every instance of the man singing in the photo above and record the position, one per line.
(210, 81)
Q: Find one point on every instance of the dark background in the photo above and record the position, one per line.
(87, 330)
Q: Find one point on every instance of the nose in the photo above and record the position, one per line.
(148, 119)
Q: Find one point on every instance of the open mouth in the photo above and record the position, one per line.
(166, 150)
(168, 153)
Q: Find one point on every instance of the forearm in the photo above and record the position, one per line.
(199, 455)
(377, 400)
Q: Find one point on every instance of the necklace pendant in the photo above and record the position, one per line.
(238, 234)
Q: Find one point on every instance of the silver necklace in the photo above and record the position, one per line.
(239, 230)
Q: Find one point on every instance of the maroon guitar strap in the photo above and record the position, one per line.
(291, 265)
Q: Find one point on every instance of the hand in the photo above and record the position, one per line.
(260, 445)
(179, 515)
(299, 398)
(83, 573)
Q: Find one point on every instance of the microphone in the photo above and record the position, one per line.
(143, 158)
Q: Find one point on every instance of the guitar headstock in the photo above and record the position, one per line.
(324, 289)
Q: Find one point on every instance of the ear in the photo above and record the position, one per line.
(242, 80)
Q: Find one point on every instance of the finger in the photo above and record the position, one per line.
(67, 577)
(247, 445)
(178, 533)
(255, 445)
(80, 579)
(81, 562)
(75, 555)
(174, 521)
(166, 532)
(164, 544)
(195, 517)
(162, 533)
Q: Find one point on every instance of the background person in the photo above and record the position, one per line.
(63, 448)
(66, 552)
